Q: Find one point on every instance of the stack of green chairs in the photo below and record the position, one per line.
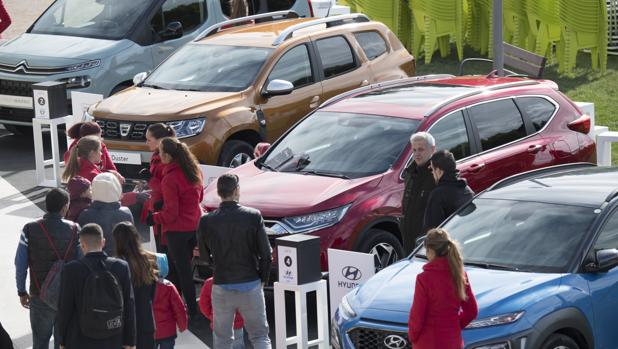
(545, 27)
(387, 12)
(515, 23)
(584, 26)
(480, 26)
(354, 8)
(435, 23)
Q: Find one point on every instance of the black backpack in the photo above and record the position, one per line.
(101, 313)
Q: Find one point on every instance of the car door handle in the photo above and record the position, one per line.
(364, 83)
(475, 168)
(535, 148)
(315, 101)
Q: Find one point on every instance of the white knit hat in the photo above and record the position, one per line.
(106, 188)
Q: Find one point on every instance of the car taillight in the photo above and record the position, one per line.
(581, 124)
(310, 8)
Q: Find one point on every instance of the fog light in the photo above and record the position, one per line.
(503, 345)
(77, 81)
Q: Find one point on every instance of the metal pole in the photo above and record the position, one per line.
(497, 30)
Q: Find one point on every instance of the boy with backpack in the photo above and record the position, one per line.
(96, 308)
(44, 246)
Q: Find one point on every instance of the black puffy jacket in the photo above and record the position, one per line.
(447, 197)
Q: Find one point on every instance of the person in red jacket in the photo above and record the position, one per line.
(89, 128)
(206, 308)
(169, 310)
(443, 300)
(80, 193)
(182, 191)
(83, 159)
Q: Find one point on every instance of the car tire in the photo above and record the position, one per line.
(385, 247)
(235, 153)
(559, 341)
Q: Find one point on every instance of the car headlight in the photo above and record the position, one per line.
(501, 345)
(188, 128)
(345, 309)
(311, 222)
(496, 320)
(77, 81)
(83, 66)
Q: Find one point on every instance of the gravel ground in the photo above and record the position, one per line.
(23, 13)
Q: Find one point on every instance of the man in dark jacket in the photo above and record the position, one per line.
(38, 253)
(450, 193)
(418, 184)
(234, 239)
(74, 276)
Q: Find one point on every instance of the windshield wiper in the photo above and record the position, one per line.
(264, 165)
(156, 87)
(326, 174)
(492, 266)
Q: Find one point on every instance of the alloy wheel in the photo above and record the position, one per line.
(240, 159)
(383, 255)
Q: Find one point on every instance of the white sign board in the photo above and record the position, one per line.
(211, 173)
(119, 157)
(80, 102)
(288, 265)
(346, 270)
(16, 101)
(41, 104)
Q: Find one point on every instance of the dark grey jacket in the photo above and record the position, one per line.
(234, 240)
(419, 183)
(107, 215)
(450, 194)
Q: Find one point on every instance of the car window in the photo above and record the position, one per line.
(372, 43)
(235, 8)
(498, 123)
(539, 110)
(294, 66)
(450, 134)
(254, 6)
(609, 235)
(190, 13)
(336, 55)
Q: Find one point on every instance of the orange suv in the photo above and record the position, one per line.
(248, 80)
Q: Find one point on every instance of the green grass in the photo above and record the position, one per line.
(585, 85)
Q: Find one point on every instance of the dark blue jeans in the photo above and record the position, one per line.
(166, 343)
(42, 319)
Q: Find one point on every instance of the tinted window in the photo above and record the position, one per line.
(539, 110)
(190, 13)
(336, 55)
(609, 234)
(450, 134)
(236, 8)
(294, 66)
(372, 43)
(498, 123)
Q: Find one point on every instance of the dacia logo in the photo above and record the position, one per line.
(395, 342)
(351, 273)
(124, 129)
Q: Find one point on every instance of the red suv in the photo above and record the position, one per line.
(337, 173)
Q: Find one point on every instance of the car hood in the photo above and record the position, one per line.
(42, 50)
(280, 194)
(143, 103)
(390, 292)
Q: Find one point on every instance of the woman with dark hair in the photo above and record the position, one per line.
(83, 159)
(443, 300)
(144, 273)
(89, 128)
(182, 193)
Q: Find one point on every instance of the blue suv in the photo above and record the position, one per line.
(540, 250)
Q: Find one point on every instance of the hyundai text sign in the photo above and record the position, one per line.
(346, 270)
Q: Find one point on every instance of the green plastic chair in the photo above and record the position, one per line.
(545, 27)
(387, 12)
(480, 26)
(515, 22)
(584, 25)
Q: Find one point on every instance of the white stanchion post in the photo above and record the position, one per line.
(39, 154)
(302, 327)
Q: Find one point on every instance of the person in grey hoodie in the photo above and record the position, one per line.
(105, 209)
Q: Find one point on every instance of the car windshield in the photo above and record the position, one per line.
(209, 68)
(102, 19)
(519, 235)
(341, 145)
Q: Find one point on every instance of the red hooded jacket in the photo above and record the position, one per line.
(206, 306)
(156, 176)
(169, 310)
(106, 163)
(438, 315)
(87, 169)
(181, 201)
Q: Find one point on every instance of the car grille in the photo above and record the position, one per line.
(125, 130)
(374, 338)
(15, 88)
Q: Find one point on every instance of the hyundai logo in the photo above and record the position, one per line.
(395, 342)
(351, 273)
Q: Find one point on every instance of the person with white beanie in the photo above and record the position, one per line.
(105, 209)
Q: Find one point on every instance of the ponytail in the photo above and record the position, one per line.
(181, 154)
(72, 168)
(441, 243)
(161, 130)
(84, 147)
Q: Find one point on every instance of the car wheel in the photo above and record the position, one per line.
(560, 341)
(235, 153)
(19, 130)
(384, 246)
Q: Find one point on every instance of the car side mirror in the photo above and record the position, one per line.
(278, 87)
(260, 149)
(172, 31)
(604, 261)
(139, 78)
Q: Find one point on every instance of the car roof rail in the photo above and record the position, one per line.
(520, 177)
(478, 91)
(329, 21)
(389, 83)
(263, 17)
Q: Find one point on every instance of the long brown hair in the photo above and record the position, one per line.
(161, 130)
(181, 154)
(143, 265)
(83, 129)
(441, 243)
(84, 146)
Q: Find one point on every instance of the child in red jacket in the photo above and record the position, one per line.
(206, 308)
(168, 307)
